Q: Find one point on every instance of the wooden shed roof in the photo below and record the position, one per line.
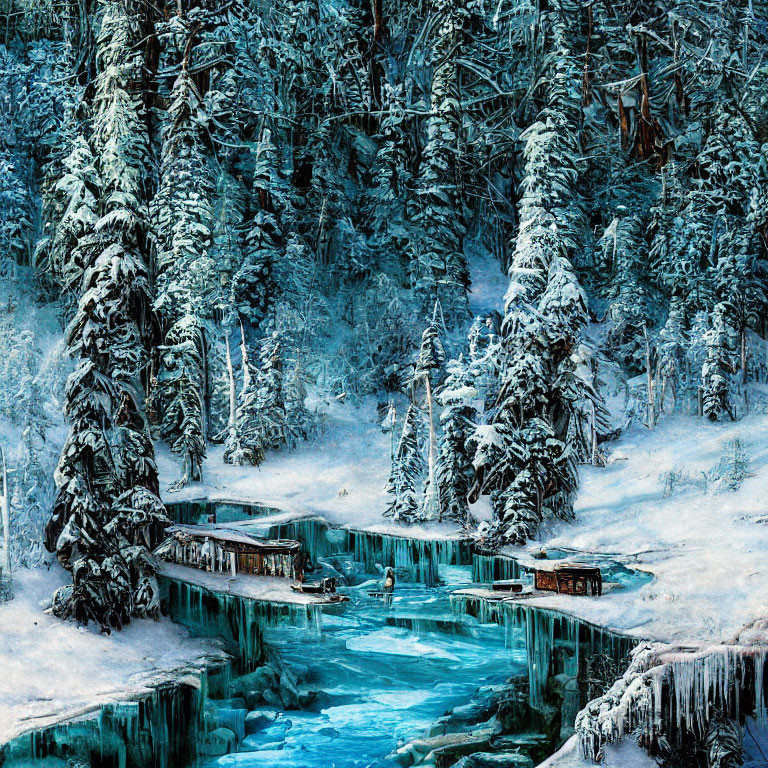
(225, 536)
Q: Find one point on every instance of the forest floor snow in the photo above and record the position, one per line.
(341, 475)
(53, 670)
(660, 506)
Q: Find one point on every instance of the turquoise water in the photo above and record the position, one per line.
(371, 675)
(383, 675)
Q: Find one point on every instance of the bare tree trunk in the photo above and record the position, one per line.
(244, 353)
(651, 409)
(429, 502)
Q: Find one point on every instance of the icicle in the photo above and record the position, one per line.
(758, 661)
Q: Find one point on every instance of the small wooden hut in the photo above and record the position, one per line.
(220, 549)
(570, 579)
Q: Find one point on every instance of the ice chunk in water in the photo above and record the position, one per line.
(397, 643)
(259, 719)
(267, 758)
(400, 699)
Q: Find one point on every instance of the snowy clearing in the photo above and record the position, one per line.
(341, 476)
(701, 542)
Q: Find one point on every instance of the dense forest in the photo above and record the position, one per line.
(235, 203)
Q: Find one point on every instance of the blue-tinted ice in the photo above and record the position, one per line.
(385, 675)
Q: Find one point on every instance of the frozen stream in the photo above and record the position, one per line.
(382, 675)
(347, 685)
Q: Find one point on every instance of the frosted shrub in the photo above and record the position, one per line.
(729, 473)
(678, 481)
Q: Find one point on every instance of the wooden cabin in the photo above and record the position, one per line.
(225, 550)
(569, 579)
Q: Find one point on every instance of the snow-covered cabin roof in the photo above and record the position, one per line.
(226, 535)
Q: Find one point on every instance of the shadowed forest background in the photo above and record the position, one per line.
(241, 211)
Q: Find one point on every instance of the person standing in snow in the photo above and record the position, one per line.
(206, 555)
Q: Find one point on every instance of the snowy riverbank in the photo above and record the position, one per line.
(341, 476)
(54, 670)
(658, 505)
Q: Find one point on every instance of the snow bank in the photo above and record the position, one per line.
(622, 754)
(341, 476)
(703, 543)
(53, 670)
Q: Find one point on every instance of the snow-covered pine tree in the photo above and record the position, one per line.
(454, 472)
(107, 510)
(407, 467)
(577, 411)
(522, 457)
(186, 275)
(672, 365)
(710, 256)
(270, 410)
(392, 174)
(625, 249)
(429, 363)
(299, 422)
(718, 367)
(270, 407)
(16, 214)
(71, 214)
(439, 263)
(245, 442)
(254, 288)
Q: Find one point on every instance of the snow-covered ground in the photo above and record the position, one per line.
(54, 670)
(341, 476)
(621, 754)
(702, 542)
(264, 588)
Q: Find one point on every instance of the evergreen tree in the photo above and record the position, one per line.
(439, 261)
(245, 440)
(407, 466)
(428, 364)
(271, 412)
(72, 214)
(186, 284)
(521, 441)
(717, 368)
(454, 472)
(107, 510)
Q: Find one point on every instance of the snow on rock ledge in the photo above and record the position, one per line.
(54, 670)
